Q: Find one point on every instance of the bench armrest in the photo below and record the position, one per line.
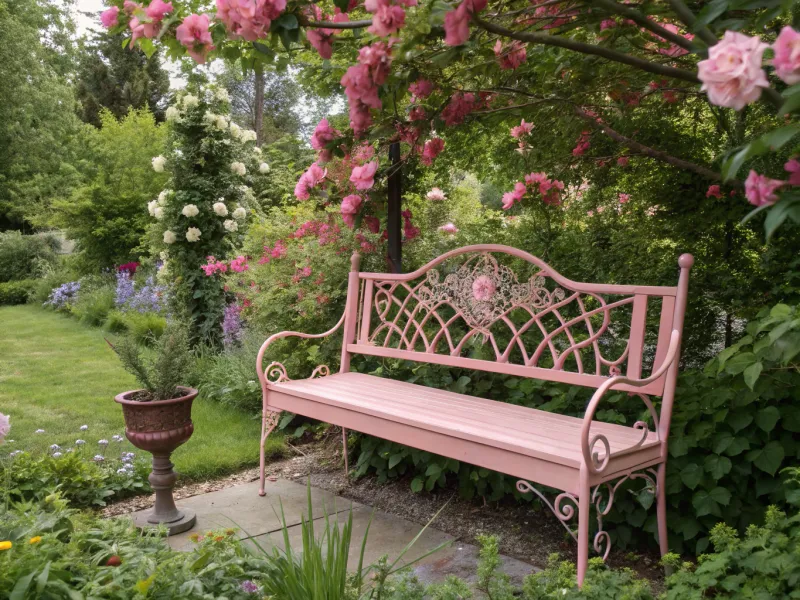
(588, 442)
(276, 367)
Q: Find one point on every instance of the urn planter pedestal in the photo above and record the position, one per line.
(159, 427)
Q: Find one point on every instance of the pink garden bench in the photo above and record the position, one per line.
(468, 305)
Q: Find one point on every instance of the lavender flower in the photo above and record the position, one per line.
(249, 587)
(57, 455)
(39, 431)
(80, 442)
(117, 438)
(55, 447)
(121, 471)
(232, 327)
(98, 458)
(84, 427)
(125, 288)
(149, 298)
(64, 295)
(102, 442)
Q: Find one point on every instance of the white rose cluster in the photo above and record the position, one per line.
(248, 135)
(239, 214)
(231, 225)
(238, 168)
(221, 94)
(236, 131)
(151, 207)
(173, 113)
(220, 209)
(193, 234)
(263, 168)
(158, 163)
(169, 237)
(190, 210)
(190, 100)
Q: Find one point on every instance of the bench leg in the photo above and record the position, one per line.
(584, 512)
(345, 452)
(269, 421)
(661, 508)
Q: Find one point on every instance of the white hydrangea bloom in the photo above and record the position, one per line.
(248, 135)
(240, 213)
(151, 207)
(230, 225)
(210, 118)
(236, 131)
(158, 164)
(173, 113)
(190, 100)
(220, 209)
(190, 210)
(192, 234)
(158, 212)
(169, 237)
(221, 94)
(256, 150)
(222, 123)
(263, 168)
(238, 168)
(164, 255)
(162, 197)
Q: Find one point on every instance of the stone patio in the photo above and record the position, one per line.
(259, 521)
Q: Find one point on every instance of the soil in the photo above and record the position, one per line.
(525, 533)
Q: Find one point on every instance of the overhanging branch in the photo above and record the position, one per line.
(331, 25)
(640, 19)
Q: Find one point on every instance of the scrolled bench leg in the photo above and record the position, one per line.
(661, 508)
(269, 421)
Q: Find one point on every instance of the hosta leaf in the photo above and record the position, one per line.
(767, 418)
(416, 484)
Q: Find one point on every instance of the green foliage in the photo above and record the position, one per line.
(94, 305)
(143, 328)
(558, 580)
(26, 256)
(118, 322)
(16, 292)
(107, 214)
(229, 377)
(76, 476)
(163, 370)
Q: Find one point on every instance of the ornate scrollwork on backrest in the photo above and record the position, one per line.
(481, 308)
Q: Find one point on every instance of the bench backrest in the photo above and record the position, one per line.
(499, 309)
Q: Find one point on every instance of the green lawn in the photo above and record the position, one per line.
(56, 375)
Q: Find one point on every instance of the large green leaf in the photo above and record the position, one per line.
(769, 458)
(752, 373)
(718, 466)
(767, 418)
(692, 475)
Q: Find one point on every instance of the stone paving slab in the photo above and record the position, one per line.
(258, 519)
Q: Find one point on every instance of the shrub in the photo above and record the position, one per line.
(16, 292)
(230, 376)
(116, 322)
(55, 275)
(145, 328)
(26, 256)
(93, 307)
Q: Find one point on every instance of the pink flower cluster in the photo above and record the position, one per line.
(420, 89)
(193, 34)
(787, 55)
(239, 264)
(582, 145)
(459, 107)
(145, 22)
(361, 83)
(549, 189)
(313, 177)
(521, 130)
(674, 50)
(417, 113)
(760, 190)
(409, 231)
(324, 232)
(323, 135)
(214, 266)
(456, 22)
(510, 56)
(249, 19)
(110, 18)
(713, 192)
(732, 74)
(322, 38)
(387, 17)
(363, 177)
(349, 209)
(278, 251)
(431, 150)
(301, 273)
(554, 13)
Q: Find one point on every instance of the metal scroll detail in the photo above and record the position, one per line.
(482, 291)
(276, 372)
(601, 463)
(565, 506)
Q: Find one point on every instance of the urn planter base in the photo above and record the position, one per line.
(186, 520)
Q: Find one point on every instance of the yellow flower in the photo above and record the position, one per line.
(35, 539)
(5, 545)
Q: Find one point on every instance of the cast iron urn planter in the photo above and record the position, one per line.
(159, 427)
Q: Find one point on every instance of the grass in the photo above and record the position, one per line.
(56, 375)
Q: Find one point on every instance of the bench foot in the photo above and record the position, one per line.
(269, 421)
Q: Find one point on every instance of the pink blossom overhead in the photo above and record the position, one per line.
(448, 228)
(583, 144)
(713, 192)
(732, 74)
(522, 129)
(313, 177)
(409, 231)
(458, 108)
(239, 264)
(483, 288)
(760, 190)
(349, 208)
(793, 168)
(387, 20)
(321, 40)
(511, 56)
(624, 198)
(363, 177)
(431, 150)
(421, 89)
(456, 22)
(129, 7)
(417, 113)
(373, 224)
(361, 83)
(194, 35)
(787, 55)
(623, 161)
(674, 50)
(110, 18)
(249, 19)
(323, 135)
(607, 24)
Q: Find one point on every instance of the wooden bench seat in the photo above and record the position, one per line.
(480, 315)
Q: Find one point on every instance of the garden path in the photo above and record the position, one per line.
(259, 520)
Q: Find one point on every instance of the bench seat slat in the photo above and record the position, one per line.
(526, 431)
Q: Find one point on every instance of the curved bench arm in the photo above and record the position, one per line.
(277, 367)
(590, 456)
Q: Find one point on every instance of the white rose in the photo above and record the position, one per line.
(222, 95)
(190, 100)
(238, 168)
(158, 213)
(190, 210)
(169, 237)
(221, 209)
(236, 131)
(263, 168)
(158, 164)
(230, 225)
(173, 113)
(192, 234)
(222, 123)
(248, 135)
(151, 207)
(240, 213)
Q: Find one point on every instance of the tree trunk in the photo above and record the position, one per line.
(394, 209)
(259, 106)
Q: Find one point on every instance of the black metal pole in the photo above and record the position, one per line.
(393, 224)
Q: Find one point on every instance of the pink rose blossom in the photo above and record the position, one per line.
(760, 190)
(158, 9)
(130, 7)
(372, 223)
(363, 177)
(508, 200)
(431, 150)
(417, 114)
(535, 178)
(436, 195)
(194, 35)
(713, 192)
(793, 168)
(732, 73)
(623, 161)
(624, 198)
(483, 288)
(522, 129)
(409, 231)
(387, 20)
(448, 228)
(110, 18)
(456, 25)
(421, 89)
(674, 50)
(519, 190)
(582, 145)
(239, 264)
(607, 24)
(308, 180)
(323, 135)
(349, 208)
(787, 55)
(510, 56)
(249, 19)
(321, 40)
(458, 108)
